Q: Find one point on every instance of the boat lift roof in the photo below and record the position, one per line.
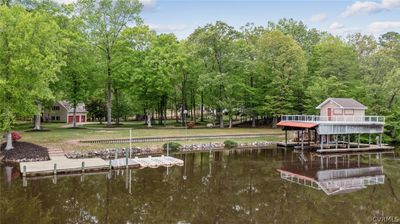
(296, 124)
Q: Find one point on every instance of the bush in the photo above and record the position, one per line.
(15, 136)
(190, 124)
(229, 144)
(173, 146)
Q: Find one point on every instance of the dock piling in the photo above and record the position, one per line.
(210, 150)
(55, 169)
(83, 166)
(24, 172)
(130, 143)
(168, 149)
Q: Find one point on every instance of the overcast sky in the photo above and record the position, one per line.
(340, 17)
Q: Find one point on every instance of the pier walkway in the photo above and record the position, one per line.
(59, 163)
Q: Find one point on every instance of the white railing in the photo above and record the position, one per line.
(334, 118)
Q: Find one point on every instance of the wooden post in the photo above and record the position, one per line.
(210, 151)
(126, 159)
(55, 169)
(24, 172)
(83, 166)
(348, 141)
(130, 143)
(302, 140)
(358, 141)
(358, 159)
(380, 140)
(285, 137)
(116, 153)
(336, 161)
(298, 136)
(109, 164)
(322, 162)
(369, 139)
(336, 141)
(321, 142)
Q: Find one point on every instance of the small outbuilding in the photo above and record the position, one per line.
(333, 108)
(63, 111)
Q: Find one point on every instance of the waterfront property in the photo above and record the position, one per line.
(63, 111)
(341, 121)
(232, 186)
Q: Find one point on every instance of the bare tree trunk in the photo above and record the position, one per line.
(38, 117)
(165, 109)
(230, 121)
(9, 141)
(176, 106)
(117, 106)
(74, 116)
(184, 105)
(274, 121)
(202, 107)
(149, 119)
(221, 119)
(109, 89)
(194, 106)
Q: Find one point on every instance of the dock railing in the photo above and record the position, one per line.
(333, 119)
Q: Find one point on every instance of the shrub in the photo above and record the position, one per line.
(15, 136)
(173, 146)
(229, 144)
(190, 124)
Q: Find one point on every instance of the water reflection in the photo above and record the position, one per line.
(239, 186)
(334, 174)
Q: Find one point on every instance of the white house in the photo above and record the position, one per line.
(63, 111)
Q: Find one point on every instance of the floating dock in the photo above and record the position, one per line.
(151, 162)
(61, 164)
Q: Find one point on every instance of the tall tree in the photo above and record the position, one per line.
(30, 58)
(77, 74)
(284, 65)
(214, 46)
(105, 21)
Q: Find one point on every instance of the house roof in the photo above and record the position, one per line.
(80, 108)
(344, 103)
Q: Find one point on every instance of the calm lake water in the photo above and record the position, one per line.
(229, 187)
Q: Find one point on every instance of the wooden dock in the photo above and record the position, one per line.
(61, 164)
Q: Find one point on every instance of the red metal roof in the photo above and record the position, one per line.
(297, 124)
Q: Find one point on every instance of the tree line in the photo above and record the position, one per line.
(101, 52)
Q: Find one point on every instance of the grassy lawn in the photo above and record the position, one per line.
(60, 136)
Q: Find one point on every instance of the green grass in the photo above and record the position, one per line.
(60, 136)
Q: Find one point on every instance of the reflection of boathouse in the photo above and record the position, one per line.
(333, 176)
(341, 120)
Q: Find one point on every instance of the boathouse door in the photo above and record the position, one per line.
(329, 114)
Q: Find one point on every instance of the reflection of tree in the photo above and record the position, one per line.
(243, 187)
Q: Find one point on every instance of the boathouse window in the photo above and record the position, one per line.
(56, 107)
(337, 111)
(348, 112)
